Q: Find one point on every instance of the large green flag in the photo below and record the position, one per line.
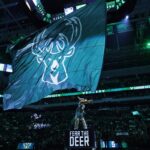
(67, 54)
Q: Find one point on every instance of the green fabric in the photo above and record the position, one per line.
(67, 54)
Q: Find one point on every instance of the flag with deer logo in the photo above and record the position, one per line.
(67, 54)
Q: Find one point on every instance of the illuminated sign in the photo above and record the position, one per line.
(133, 88)
(26, 145)
(6, 68)
(112, 144)
(68, 10)
(81, 139)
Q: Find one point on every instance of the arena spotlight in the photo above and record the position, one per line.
(30, 4)
(126, 17)
(35, 2)
(148, 45)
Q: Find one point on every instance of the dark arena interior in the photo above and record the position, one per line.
(116, 115)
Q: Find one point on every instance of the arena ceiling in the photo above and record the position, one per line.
(16, 19)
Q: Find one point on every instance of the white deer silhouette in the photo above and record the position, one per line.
(53, 52)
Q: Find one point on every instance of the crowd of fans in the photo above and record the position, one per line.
(48, 128)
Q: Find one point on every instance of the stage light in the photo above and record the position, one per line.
(36, 2)
(135, 113)
(148, 45)
(28, 5)
(123, 1)
(125, 20)
(127, 17)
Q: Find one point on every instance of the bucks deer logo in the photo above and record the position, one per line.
(52, 52)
